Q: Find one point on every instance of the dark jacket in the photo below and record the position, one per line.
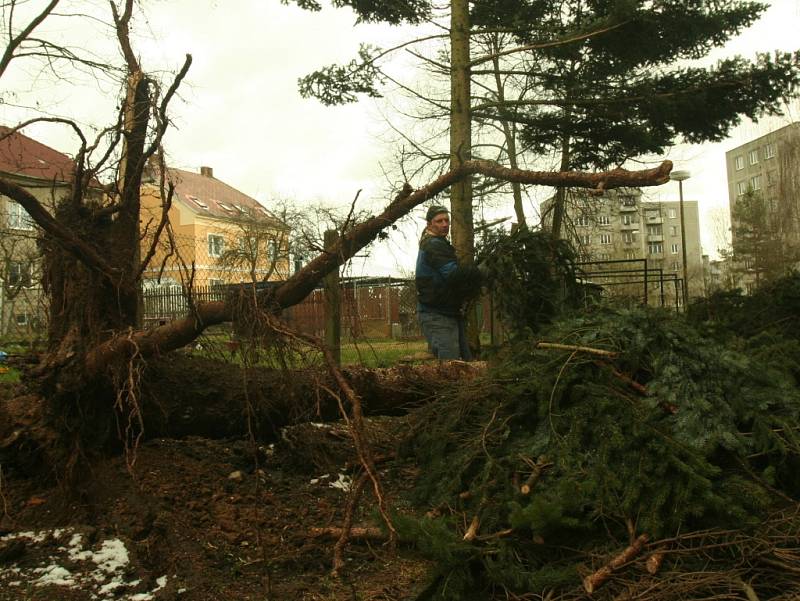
(443, 285)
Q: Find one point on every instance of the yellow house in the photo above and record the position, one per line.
(217, 235)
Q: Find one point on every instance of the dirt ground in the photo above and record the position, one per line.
(203, 520)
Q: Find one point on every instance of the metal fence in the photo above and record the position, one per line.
(633, 282)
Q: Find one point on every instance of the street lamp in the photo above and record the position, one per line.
(679, 176)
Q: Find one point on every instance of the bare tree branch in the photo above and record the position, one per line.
(15, 41)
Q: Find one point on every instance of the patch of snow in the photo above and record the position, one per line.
(317, 480)
(100, 572)
(54, 574)
(344, 482)
(35, 537)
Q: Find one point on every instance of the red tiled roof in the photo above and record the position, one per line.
(24, 156)
(206, 195)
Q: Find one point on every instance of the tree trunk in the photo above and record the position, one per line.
(460, 131)
(461, 150)
(184, 396)
(560, 200)
(509, 132)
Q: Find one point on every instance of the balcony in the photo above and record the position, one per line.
(655, 237)
(629, 226)
(654, 219)
(628, 208)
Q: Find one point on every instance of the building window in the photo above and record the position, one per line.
(605, 238)
(654, 230)
(741, 188)
(656, 248)
(752, 157)
(755, 182)
(769, 151)
(18, 218)
(20, 274)
(739, 162)
(673, 230)
(627, 237)
(773, 204)
(630, 254)
(216, 283)
(772, 177)
(21, 319)
(216, 245)
(248, 245)
(675, 248)
(585, 239)
(673, 213)
(604, 256)
(603, 220)
(653, 215)
(583, 220)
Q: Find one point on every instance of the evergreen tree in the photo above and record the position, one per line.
(610, 78)
(759, 246)
(629, 91)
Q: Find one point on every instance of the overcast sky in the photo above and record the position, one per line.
(240, 112)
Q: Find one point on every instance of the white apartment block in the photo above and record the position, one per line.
(769, 166)
(621, 226)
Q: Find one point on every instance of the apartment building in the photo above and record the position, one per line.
(769, 167)
(620, 225)
(220, 235)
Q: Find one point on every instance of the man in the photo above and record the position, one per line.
(442, 288)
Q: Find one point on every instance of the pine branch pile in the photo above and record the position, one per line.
(532, 276)
(640, 457)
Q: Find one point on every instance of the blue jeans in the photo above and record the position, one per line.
(446, 335)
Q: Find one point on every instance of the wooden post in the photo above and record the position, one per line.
(387, 287)
(333, 304)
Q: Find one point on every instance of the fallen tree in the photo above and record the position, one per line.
(88, 378)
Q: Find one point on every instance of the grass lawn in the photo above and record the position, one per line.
(380, 353)
(8, 375)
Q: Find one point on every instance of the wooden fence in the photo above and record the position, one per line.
(370, 308)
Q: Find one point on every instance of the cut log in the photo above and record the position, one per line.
(595, 580)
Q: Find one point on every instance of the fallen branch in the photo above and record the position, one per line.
(574, 348)
(347, 526)
(180, 332)
(653, 563)
(537, 468)
(472, 531)
(354, 420)
(369, 533)
(594, 581)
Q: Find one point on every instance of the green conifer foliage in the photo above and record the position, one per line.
(532, 276)
(712, 443)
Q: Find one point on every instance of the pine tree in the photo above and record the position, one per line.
(759, 246)
(612, 79)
